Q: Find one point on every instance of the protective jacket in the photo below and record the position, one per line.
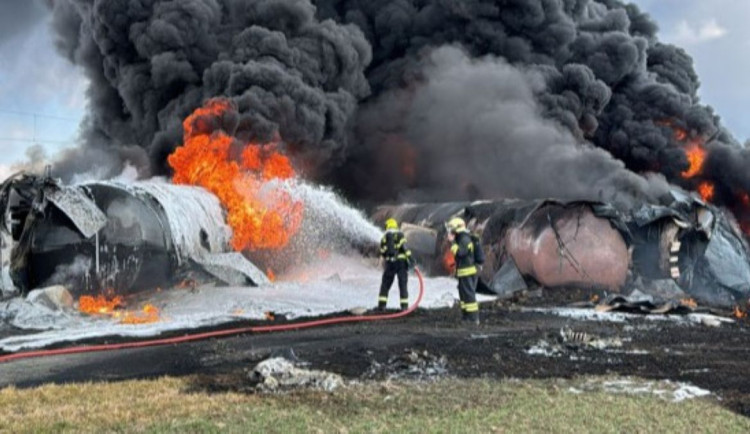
(463, 251)
(397, 260)
(393, 247)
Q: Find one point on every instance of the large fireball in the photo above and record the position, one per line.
(261, 214)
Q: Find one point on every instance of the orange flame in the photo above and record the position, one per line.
(696, 156)
(261, 217)
(99, 305)
(739, 313)
(706, 190)
(271, 275)
(148, 314)
(449, 262)
(102, 306)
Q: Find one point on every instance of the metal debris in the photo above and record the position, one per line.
(575, 339)
(233, 269)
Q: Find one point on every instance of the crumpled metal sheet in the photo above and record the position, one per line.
(648, 214)
(728, 262)
(508, 280)
(615, 218)
(233, 269)
(81, 210)
(642, 303)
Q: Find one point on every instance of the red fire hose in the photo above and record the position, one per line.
(219, 333)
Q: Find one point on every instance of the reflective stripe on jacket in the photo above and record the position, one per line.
(393, 246)
(463, 252)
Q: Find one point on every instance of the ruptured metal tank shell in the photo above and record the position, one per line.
(569, 246)
(589, 251)
(135, 248)
(108, 235)
(150, 232)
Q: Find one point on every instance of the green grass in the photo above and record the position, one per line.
(182, 405)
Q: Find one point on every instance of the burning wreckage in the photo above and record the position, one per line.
(129, 237)
(113, 236)
(686, 251)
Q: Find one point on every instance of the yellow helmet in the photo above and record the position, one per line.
(391, 224)
(456, 224)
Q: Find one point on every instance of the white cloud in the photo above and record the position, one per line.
(694, 34)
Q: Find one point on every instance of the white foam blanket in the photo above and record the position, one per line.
(337, 284)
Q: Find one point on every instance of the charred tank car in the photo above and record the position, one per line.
(114, 236)
(687, 249)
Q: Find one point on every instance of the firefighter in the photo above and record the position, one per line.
(468, 257)
(397, 258)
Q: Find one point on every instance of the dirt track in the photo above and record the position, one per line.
(714, 358)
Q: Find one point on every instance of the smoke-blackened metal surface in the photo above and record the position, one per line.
(725, 278)
(588, 244)
(110, 236)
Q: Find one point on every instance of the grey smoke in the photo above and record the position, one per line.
(478, 126)
(69, 273)
(608, 79)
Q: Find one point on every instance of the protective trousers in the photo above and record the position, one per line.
(393, 269)
(467, 293)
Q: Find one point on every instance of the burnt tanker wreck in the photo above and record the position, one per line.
(134, 236)
(109, 235)
(688, 249)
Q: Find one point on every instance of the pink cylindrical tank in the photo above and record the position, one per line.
(569, 246)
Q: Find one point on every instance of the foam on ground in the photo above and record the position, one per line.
(336, 284)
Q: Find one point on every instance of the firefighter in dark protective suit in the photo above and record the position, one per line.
(397, 258)
(468, 255)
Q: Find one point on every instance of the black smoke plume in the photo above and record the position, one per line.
(151, 63)
(608, 80)
(350, 86)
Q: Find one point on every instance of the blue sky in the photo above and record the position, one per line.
(34, 79)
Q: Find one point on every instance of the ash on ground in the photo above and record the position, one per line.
(412, 364)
